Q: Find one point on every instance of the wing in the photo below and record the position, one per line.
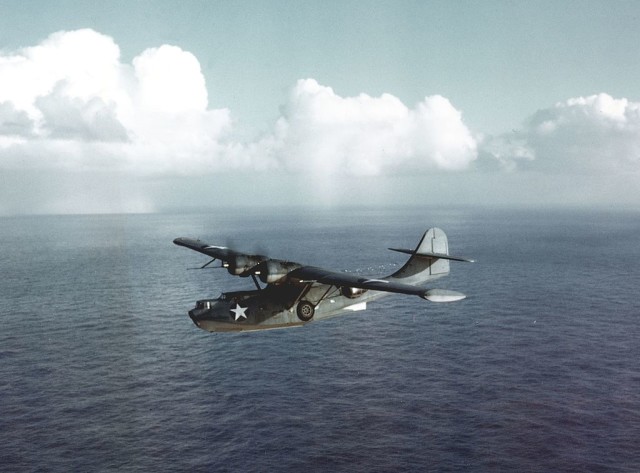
(433, 255)
(239, 264)
(218, 252)
(310, 274)
(276, 271)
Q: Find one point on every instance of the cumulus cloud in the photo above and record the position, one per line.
(169, 80)
(65, 117)
(71, 102)
(70, 109)
(14, 122)
(592, 135)
(328, 134)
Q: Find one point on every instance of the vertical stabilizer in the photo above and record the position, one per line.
(424, 262)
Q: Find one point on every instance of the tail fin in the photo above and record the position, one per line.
(429, 260)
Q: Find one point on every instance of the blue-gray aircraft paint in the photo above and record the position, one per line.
(295, 294)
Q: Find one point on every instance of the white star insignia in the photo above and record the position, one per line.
(240, 311)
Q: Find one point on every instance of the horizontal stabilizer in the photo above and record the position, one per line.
(442, 295)
(432, 255)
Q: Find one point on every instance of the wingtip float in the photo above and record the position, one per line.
(292, 294)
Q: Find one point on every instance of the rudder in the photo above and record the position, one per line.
(435, 242)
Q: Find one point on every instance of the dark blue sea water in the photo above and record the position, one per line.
(538, 370)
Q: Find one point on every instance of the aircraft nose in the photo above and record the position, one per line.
(194, 315)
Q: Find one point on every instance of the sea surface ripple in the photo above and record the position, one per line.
(102, 370)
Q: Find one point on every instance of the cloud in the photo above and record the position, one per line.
(169, 80)
(72, 112)
(14, 122)
(83, 62)
(328, 134)
(71, 103)
(71, 118)
(591, 135)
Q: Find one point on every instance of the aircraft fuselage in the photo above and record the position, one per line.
(277, 306)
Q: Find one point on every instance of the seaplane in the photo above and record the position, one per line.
(289, 294)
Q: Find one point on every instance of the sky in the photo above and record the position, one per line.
(145, 106)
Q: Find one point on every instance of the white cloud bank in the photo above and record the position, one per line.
(71, 111)
(587, 135)
(363, 135)
(71, 103)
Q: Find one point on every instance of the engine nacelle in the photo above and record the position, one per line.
(275, 271)
(352, 292)
(243, 265)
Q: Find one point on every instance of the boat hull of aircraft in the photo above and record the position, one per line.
(274, 308)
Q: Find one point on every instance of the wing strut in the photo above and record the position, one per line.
(255, 281)
(204, 266)
(303, 293)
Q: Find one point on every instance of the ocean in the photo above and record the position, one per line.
(538, 370)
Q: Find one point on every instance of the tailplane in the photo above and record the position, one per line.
(430, 260)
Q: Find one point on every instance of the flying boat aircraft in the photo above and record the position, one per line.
(292, 294)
